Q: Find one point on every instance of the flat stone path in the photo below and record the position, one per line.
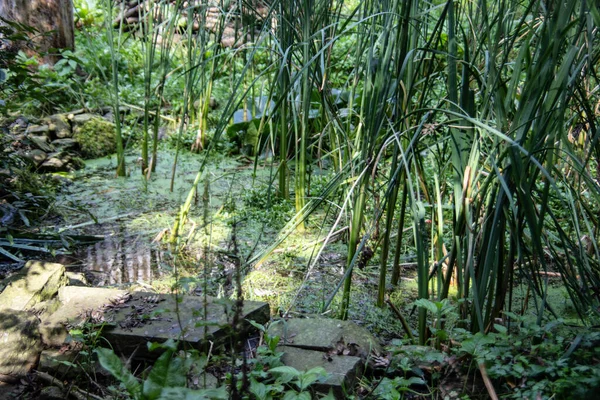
(339, 347)
(131, 320)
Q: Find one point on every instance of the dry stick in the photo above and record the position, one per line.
(76, 392)
(150, 112)
(487, 382)
(401, 318)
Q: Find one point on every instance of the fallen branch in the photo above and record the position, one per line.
(153, 113)
(74, 390)
(401, 318)
(488, 383)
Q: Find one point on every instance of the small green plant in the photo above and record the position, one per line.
(88, 13)
(296, 382)
(536, 361)
(440, 310)
(269, 378)
(167, 378)
(266, 207)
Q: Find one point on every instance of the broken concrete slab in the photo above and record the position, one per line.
(324, 334)
(83, 297)
(20, 344)
(342, 370)
(153, 318)
(77, 304)
(36, 282)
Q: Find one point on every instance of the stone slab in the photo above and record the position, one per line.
(20, 344)
(36, 282)
(84, 297)
(342, 370)
(76, 304)
(153, 318)
(324, 334)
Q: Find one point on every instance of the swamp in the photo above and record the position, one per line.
(301, 199)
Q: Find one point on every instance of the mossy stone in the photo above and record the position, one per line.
(60, 126)
(96, 137)
(323, 334)
(21, 344)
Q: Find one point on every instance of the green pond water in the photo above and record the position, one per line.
(133, 213)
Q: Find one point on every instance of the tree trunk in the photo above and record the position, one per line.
(53, 20)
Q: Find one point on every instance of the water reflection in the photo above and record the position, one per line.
(120, 259)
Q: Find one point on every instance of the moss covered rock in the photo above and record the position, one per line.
(95, 135)
(59, 125)
(21, 344)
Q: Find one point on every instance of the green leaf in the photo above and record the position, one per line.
(285, 370)
(109, 361)
(476, 344)
(168, 372)
(257, 325)
(413, 380)
(258, 389)
(329, 396)
(428, 305)
(168, 345)
(311, 376)
(292, 395)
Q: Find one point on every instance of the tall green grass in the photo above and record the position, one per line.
(455, 136)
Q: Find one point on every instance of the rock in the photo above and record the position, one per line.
(37, 156)
(81, 119)
(42, 143)
(38, 130)
(36, 282)
(109, 116)
(78, 112)
(342, 370)
(51, 393)
(19, 125)
(57, 362)
(65, 144)
(53, 164)
(60, 126)
(95, 135)
(76, 303)
(76, 279)
(323, 334)
(21, 344)
(151, 317)
(82, 297)
(61, 161)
